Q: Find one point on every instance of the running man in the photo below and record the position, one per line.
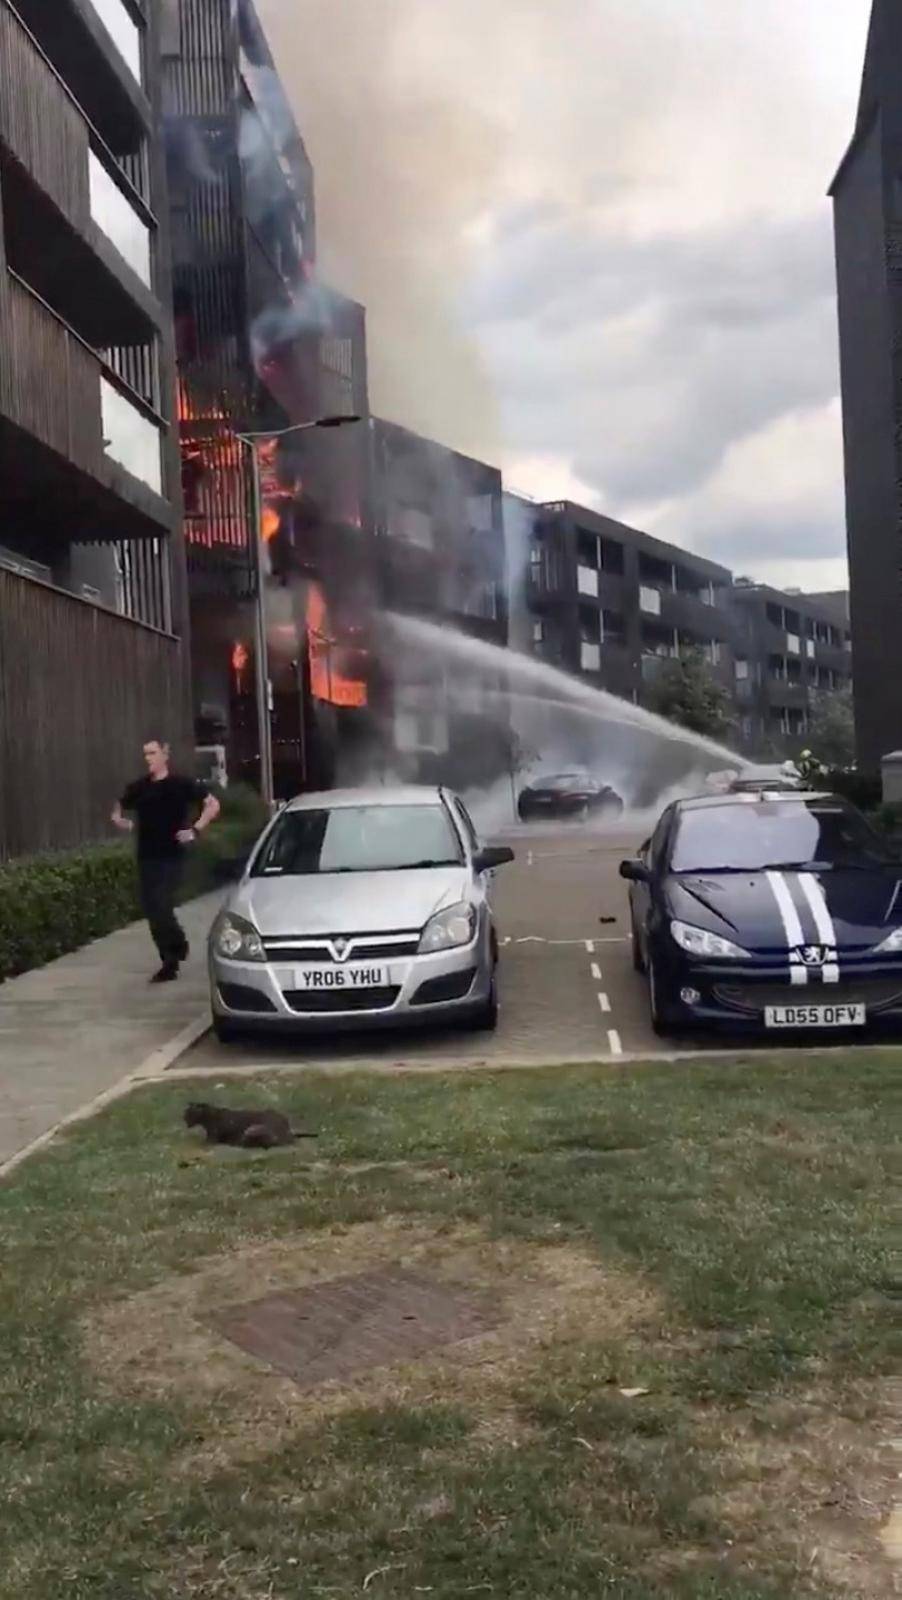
(163, 805)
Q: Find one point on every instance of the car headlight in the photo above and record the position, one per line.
(449, 929)
(699, 942)
(237, 939)
(891, 945)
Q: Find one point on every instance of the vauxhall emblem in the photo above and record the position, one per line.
(340, 948)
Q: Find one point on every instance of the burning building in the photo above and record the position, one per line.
(92, 579)
(263, 346)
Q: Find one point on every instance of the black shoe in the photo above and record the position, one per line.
(168, 972)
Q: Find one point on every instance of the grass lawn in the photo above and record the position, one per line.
(716, 1235)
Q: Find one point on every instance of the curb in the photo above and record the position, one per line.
(151, 1068)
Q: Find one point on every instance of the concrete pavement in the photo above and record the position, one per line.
(74, 1029)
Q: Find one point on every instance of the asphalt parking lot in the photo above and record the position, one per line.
(568, 990)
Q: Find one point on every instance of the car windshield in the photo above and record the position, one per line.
(565, 780)
(752, 838)
(364, 838)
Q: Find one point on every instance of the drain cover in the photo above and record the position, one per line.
(347, 1325)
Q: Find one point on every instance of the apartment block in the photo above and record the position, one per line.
(92, 576)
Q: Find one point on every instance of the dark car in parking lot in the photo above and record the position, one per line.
(568, 795)
(767, 913)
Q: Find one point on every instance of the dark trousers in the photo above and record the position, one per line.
(159, 884)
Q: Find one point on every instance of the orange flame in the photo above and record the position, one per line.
(327, 682)
(269, 523)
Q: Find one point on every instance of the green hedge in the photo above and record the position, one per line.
(52, 904)
(55, 903)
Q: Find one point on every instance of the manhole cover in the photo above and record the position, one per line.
(334, 1329)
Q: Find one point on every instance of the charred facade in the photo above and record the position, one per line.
(92, 559)
(262, 346)
(439, 523)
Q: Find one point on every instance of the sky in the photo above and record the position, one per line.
(594, 244)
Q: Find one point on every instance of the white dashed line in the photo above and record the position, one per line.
(604, 1002)
(590, 946)
(614, 1042)
(596, 971)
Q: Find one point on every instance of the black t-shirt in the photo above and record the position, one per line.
(162, 807)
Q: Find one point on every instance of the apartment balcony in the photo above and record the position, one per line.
(77, 446)
(97, 46)
(693, 615)
(77, 221)
(780, 692)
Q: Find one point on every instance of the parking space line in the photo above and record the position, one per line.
(604, 1002)
(614, 1042)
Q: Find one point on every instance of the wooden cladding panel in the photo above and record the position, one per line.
(39, 123)
(49, 381)
(80, 689)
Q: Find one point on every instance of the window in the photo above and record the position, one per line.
(772, 834)
(408, 522)
(649, 601)
(480, 512)
(124, 32)
(613, 629)
(793, 644)
(809, 649)
(359, 839)
(538, 632)
(611, 557)
(116, 217)
(590, 657)
(587, 581)
(775, 616)
(742, 671)
(711, 650)
(129, 437)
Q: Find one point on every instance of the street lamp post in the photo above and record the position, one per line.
(261, 649)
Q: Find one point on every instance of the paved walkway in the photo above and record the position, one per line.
(75, 1028)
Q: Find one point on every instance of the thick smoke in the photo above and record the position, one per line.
(402, 163)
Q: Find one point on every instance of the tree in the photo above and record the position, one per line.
(686, 691)
(831, 729)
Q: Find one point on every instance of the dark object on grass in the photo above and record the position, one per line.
(254, 1130)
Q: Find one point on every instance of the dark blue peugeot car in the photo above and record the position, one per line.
(767, 913)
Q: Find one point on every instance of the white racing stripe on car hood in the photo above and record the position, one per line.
(792, 927)
(826, 930)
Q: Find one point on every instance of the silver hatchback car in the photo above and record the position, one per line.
(359, 908)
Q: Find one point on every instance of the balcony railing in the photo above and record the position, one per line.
(56, 388)
(117, 218)
(52, 138)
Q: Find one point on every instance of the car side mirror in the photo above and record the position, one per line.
(492, 856)
(635, 871)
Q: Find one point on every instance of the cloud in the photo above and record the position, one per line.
(594, 236)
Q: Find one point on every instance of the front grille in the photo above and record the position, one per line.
(239, 997)
(322, 1002)
(453, 986)
(362, 947)
(879, 994)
